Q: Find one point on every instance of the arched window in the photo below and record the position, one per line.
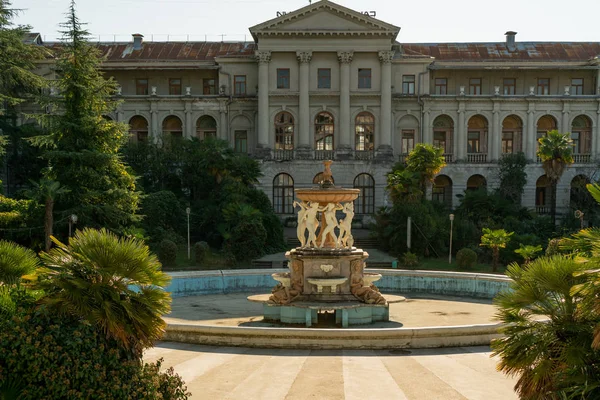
(284, 131)
(544, 125)
(283, 194)
(324, 129)
(364, 126)
(172, 127)
(138, 129)
(542, 195)
(206, 127)
(365, 203)
(581, 134)
(318, 179)
(442, 190)
(443, 133)
(476, 182)
(512, 132)
(477, 129)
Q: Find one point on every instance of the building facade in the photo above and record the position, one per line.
(327, 82)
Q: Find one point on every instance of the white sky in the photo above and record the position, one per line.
(421, 21)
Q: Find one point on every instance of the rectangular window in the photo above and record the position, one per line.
(141, 87)
(324, 78)
(439, 140)
(507, 142)
(473, 142)
(209, 86)
(475, 86)
(575, 137)
(408, 84)
(441, 86)
(364, 78)
(408, 140)
(509, 86)
(283, 78)
(438, 194)
(240, 85)
(174, 86)
(241, 142)
(543, 86)
(577, 86)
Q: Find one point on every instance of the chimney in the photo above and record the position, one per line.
(510, 40)
(138, 38)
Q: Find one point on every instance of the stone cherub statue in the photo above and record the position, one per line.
(301, 229)
(330, 221)
(312, 223)
(345, 239)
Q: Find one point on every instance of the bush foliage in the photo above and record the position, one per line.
(167, 253)
(466, 258)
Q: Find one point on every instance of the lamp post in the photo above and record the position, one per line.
(187, 211)
(450, 252)
(72, 221)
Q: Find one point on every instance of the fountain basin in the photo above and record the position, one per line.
(331, 282)
(284, 278)
(369, 278)
(324, 196)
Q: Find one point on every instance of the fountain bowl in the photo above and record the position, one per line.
(332, 195)
(331, 282)
(369, 278)
(283, 278)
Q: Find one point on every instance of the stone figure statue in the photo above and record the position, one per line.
(345, 238)
(301, 229)
(312, 223)
(330, 221)
(367, 294)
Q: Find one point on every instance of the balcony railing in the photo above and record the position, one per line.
(448, 158)
(283, 155)
(324, 154)
(477, 158)
(582, 158)
(364, 154)
(542, 210)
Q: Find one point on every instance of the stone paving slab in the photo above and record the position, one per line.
(464, 373)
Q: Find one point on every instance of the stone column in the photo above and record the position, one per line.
(262, 147)
(566, 126)
(495, 139)
(223, 128)
(427, 132)
(530, 136)
(189, 129)
(344, 138)
(384, 150)
(154, 131)
(304, 147)
(460, 143)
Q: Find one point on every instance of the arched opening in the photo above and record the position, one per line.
(443, 135)
(477, 131)
(241, 127)
(364, 127)
(138, 129)
(172, 127)
(581, 134)
(324, 131)
(542, 195)
(318, 179)
(407, 136)
(512, 135)
(476, 182)
(365, 203)
(206, 127)
(283, 194)
(442, 190)
(284, 131)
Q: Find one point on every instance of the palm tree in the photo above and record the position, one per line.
(547, 340)
(404, 185)
(495, 240)
(556, 152)
(427, 161)
(48, 191)
(17, 264)
(114, 283)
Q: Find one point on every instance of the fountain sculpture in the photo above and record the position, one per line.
(326, 271)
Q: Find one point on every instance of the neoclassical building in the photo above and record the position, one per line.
(327, 82)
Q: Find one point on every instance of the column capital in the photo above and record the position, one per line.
(345, 57)
(263, 57)
(385, 57)
(304, 56)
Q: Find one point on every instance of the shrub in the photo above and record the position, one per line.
(410, 260)
(201, 250)
(466, 258)
(167, 253)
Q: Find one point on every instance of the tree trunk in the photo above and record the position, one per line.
(553, 201)
(495, 256)
(48, 221)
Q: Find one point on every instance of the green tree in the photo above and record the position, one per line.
(512, 176)
(495, 239)
(528, 252)
(17, 263)
(83, 146)
(547, 340)
(47, 191)
(404, 185)
(556, 152)
(427, 161)
(114, 283)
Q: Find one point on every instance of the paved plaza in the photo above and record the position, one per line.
(253, 374)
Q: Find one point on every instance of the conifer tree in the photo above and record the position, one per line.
(82, 145)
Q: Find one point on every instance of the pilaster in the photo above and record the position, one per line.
(223, 125)
(460, 144)
(262, 147)
(530, 134)
(154, 132)
(384, 150)
(189, 129)
(344, 147)
(427, 131)
(566, 126)
(304, 148)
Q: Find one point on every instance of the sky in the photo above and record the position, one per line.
(420, 21)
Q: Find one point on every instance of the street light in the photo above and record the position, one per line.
(450, 253)
(187, 211)
(72, 221)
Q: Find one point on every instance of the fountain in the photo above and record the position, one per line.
(326, 271)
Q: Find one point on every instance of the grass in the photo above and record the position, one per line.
(214, 261)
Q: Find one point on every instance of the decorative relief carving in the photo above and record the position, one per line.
(386, 57)
(263, 57)
(345, 57)
(304, 56)
(284, 295)
(367, 294)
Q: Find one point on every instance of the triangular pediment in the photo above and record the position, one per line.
(324, 18)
